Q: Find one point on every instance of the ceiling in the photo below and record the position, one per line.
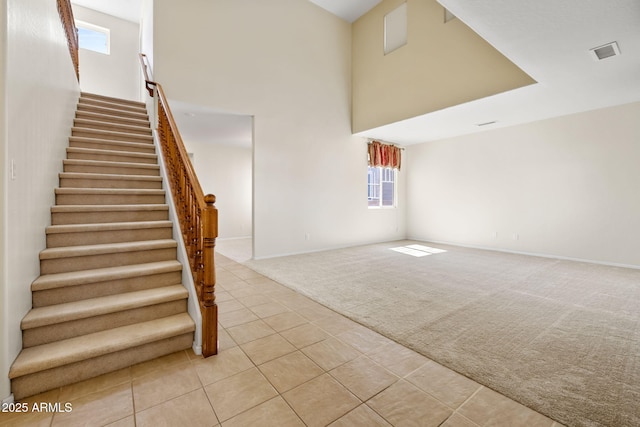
(129, 10)
(548, 39)
(349, 10)
(204, 125)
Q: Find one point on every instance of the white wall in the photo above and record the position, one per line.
(567, 186)
(146, 44)
(288, 64)
(5, 388)
(116, 74)
(41, 95)
(226, 170)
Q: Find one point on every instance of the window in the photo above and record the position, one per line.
(395, 29)
(381, 187)
(93, 37)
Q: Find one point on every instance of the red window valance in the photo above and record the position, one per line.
(385, 155)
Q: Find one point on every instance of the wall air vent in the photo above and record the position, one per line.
(605, 51)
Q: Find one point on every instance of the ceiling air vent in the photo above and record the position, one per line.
(605, 51)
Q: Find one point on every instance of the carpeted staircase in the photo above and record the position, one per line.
(110, 292)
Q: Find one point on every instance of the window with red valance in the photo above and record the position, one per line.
(384, 161)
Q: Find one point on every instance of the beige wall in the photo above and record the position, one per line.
(567, 186)
(440, 66)
(287, 63)
(41, 94)
(226, 168)
(116, 74)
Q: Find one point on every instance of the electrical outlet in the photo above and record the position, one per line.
(307, 236)
(516, 236)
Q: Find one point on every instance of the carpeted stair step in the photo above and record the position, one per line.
(100, 180)
(111, 135)
(91, 108)
(98, 124)
(53, 365)
(105, 144)
(97, 166)
(50, 289)
(113, 232)
(110, 291)
(111, 155)
(44, 325)
(89, 115)
(83, 214)
(76, 258)
(112, 105)
(108, 196)
(104, 98)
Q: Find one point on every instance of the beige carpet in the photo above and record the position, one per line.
(561, 337)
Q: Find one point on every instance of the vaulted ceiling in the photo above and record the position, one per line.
(550, 40)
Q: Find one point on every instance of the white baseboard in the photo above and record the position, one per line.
(328, 248)
(541, 255)
(222, 239)
(197, 349)
(8, 399)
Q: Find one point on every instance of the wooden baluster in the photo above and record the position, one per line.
(210, 309)
(197, 217)
(193, 201)
(198, 276)
(193, 243)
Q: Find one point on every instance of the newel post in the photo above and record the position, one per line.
(209, 307)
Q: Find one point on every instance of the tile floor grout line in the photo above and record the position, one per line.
(202, 386)
(331, 335)
(360, 354)
(133, 402)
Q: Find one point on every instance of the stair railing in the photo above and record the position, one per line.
(197, 214)
(69, 25)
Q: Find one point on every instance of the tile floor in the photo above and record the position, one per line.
(284, 360)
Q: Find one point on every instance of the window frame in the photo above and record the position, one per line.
(395, 29)
(379, 190)
(96, 29)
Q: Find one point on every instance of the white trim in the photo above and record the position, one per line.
(442, 242)
(537, 254)
(193, 305)
(330, 248)
(8, 399)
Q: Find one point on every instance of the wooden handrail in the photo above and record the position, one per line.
(69, 24)
(149, 84)
(197, 214)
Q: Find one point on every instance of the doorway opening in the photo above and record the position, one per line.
(220, 145)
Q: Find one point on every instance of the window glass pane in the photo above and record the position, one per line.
(92, 37)
(373, 191)
(381, 187)
(387, 194)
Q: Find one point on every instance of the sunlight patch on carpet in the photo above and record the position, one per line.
(417, 250)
